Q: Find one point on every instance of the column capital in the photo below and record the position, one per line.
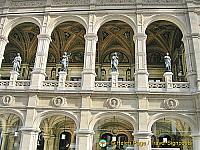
(91, 36)
(142, 134)
(139, 36)
(84, 132)
(29, 129)
(44, 36)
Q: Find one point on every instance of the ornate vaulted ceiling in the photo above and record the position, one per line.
(163, 37)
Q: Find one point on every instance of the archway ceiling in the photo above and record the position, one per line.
(69, 37)
(163, 36)
(23, 40)
(115, 36)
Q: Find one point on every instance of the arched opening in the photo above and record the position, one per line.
(22, 40)
(40, 141)
(10, 131)
(66, 37)
(165, 37)
(57, 133)
(115, 36)
(115, 131)
(171, 133)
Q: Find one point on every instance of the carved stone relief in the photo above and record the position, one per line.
(113, 103)
(170, 103)
(58, 101)
(26, 3)
(8, 100)
(70, 2)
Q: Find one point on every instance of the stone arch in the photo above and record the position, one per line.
(41, 116)
(108, 18)
(13, 23)
(55, 22)
(15, 112)
(102, 115)
(190, 122)
(169, 18)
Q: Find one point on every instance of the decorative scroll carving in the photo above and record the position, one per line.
(7, 100)
(171, 103)
(58, 101)
(158, 2)
(27, 3)
(70, 2)
(113, 103)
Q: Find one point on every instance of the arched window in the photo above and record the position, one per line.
(65, 141)
(40, 142)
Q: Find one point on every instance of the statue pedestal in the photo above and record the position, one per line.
(168, 80)
(114, 79)
(62, 79)
(13, 78)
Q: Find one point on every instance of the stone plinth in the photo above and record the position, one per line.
(168, 79)
(114, 79)
(62, 79)
(13, 78)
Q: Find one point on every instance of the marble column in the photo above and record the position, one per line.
(141, 74)
(142, 140)
(88, 73)
(38, 74)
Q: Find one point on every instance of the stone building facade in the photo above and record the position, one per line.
(141, 107)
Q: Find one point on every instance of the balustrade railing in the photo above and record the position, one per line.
(104, 84)
(99, 85)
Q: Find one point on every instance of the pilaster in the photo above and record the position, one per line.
(196, 141)
(84, 136)
(29, 134)
(194, 41)
(38, 73)
(141, 74)
(3, 42)
(88, 74)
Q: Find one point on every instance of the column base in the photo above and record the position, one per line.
(141, 81)
(88, 79)
(37, 78)
(62, 79)
(114, 79)
(13, 78)
(168, 80)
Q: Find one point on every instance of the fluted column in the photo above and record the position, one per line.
(38, 74)
(88, 74)
(141, 74)
(3, 42)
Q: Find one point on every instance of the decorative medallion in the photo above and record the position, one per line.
(113, 103)
(58, 101)
(8, 100)
(171, 103)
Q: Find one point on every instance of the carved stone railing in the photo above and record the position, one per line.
(126, 84)
(103, 84)
(25, 83)
(73, 84)
(157, 84)
(181, 85)
(50, 83)
(4, 83)
(174, 87)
